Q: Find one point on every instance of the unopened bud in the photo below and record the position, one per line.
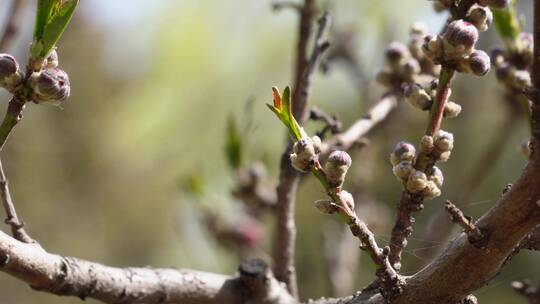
(494, 3)
(326, 207)
(417, 96)
(10, 75)
(336, 168)
(444, 141)
(418, 29)
(480, 16)
(317, 144)
(431, 190)
(417, 181)
(304, 155)
(403, 170)
(403, 151)
(52, 60)
(525, 47)
(347, 198)
(462, 36)
(427, 144)
(451, 109)
(49, 85)
(435, 175)
(395, 52)
(444, 157)
(433, 48)
(479, 63)
(520, 79)
(385, 77)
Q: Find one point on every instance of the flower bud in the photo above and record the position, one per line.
(520, 79)
(403, 170)
(444, 141)
(525, 47)
(418, 29)
(304, 154)
(52, 60)
(347, 198)
(460, 33)
(431, 190)
(409, 69)
(433, 48)
(395, 52)
(494, 3)
(427, 144)
(435, 175)
(336, 168)
(479, 63)
(385, 77)
(403, 151)
(444, 157)
(49, 85)
(480, 16)
(451, 109)
(417, 96)
(10, 75)
(326, 207)
(417, 181)
(317, 144)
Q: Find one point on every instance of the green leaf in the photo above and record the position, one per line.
(233, 144)
(52, 18)
(507, 24)
(283, 110)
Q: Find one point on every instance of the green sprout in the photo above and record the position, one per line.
(282, 109)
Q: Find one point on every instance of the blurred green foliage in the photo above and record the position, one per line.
(100, 179)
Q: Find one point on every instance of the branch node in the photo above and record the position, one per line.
(474, 234)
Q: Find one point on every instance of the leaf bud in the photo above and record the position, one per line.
(304, 154)
(326, 207)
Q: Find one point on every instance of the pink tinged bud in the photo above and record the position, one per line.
(340, 158)
(403, 151)
(479, 63)
(50, 85)
(396, 51)
(52, 60)
(336, 168)
(347, 198)
(461, 33)
(435, 175)
(480, 16)
(8, 66)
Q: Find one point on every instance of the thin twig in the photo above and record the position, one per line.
(331, 122)
(12, 219)
(12, 24)
(288, 180)
(11, 119)
(466, 222)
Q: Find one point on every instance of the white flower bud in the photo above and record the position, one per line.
(403, 170)
(520, 79)
(336, 168)
(347, 199)
(431, 190)
(52, 60)
(417, 96)
(427, 144)
(403, 151)
(418, 29)
(444, 141)
(10, 74)
(444, 157)
(326, 207)
(417, 181)
(305, 153)
(451, 109)
(435, 175)
(480, 16)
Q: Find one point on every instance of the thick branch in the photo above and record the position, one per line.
(73, 277)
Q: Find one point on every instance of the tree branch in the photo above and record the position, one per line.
(12, 24)
(289, 178)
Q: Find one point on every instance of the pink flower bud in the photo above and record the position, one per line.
(479, 63)
(396, 51)
(461, 33)
(403, 151)
(50, 85)
(8, 66)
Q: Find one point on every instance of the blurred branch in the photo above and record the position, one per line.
(251, 191)
(12, 25)
(331, 122)
(531, 293)
(348, 138)
(12, 219)
(288, 180)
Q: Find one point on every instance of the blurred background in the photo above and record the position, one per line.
(128, 170)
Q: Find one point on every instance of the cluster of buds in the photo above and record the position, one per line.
(512, 67)
(455, 47)
(11, 76)
(49, 84)
(442, 5)
(400, 66)
(422, 97)
(305, 153)
(428, 183)
(417, 32)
